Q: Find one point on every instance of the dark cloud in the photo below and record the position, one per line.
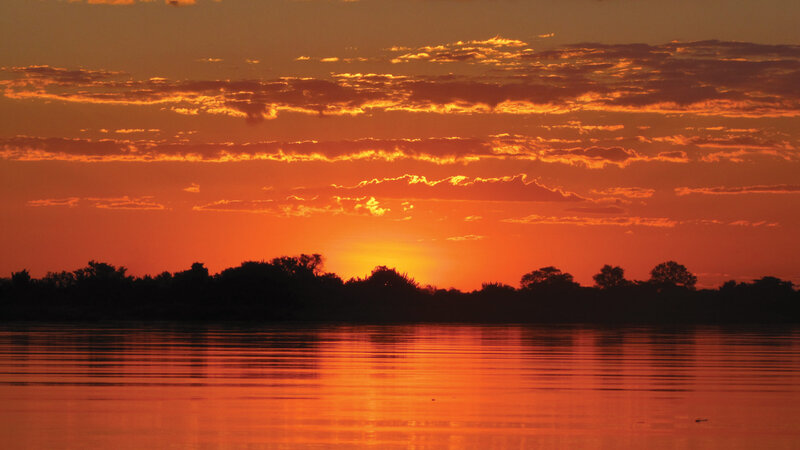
(433, 150)
(709, 77)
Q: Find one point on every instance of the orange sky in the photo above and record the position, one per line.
(459, 141)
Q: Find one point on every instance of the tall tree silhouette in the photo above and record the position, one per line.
(610, 277)
(671, 274)
(390, 278)
(547, 277)
(21, 279)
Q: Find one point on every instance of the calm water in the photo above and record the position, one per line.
(427, 386)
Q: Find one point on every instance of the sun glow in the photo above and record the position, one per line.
(357, 258)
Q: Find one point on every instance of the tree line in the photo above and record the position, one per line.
(297, 288)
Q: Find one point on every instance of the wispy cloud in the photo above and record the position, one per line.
(633, 221)
(295, 206)
(534, 219)
(145, 203)
(459, 187)
(68, 201)
(131, 2)
(439, 151)
(628, 192)
(737, 190)
(468, 237)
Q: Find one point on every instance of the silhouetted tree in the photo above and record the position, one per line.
(100, 271)
(496, 288)
(672, 274)
(303, 266)
(385, 277)
(772, 288)
(102, 282)
(59, 280)
(547, 277)
(199, 269)
(196, 276)
(164, 279)
(21, 279)
(610, 277)
(773, 284)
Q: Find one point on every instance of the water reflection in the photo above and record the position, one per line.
(397, 386)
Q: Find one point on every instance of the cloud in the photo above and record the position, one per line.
(734, 145)
(489, 51)
(124, 203)
(251, 100)
(131, 2)
(365, 205)
(296, 206)
(749, 141)
(44, 75)
(468, 237)
(391, 197)
(677, 156)
(584, 129)
(68, 201)
(628, 221)
(737, 190)
(729, 79)
(459, 187)
(631, 221)
(194, 188)
(595, 157)
(628, 192)
(597, 209)
(755, 224)
(432, 150)
(738, 156)
(136, 130)
(250, 206)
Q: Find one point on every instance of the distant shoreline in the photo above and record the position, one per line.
(295, 290)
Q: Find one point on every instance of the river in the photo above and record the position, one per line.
(121, 386)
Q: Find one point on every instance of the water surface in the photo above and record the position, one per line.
(423, 386)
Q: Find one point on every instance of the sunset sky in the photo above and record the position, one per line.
(460, 141)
